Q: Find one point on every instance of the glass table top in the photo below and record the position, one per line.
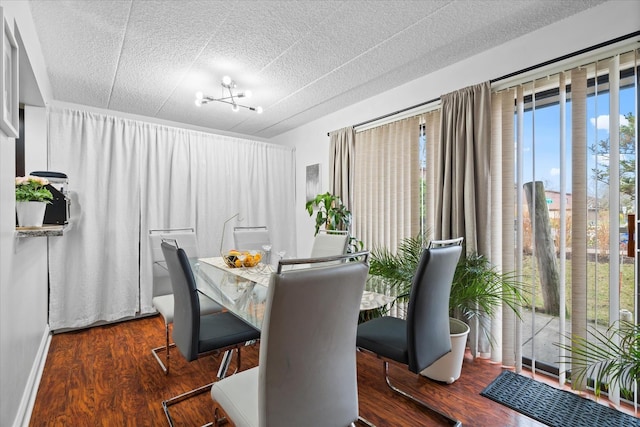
(243, 291)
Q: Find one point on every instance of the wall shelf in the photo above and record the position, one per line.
(44, 231)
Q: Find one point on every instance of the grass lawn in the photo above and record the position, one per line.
(597, 287)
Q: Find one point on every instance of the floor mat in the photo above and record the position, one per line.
(553, 407)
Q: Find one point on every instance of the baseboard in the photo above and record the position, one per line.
(23, 417)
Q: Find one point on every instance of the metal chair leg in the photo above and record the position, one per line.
(452, 421)
(180, 398)
(217, 419)
(365, 421)
(177, 399)
(166, 347)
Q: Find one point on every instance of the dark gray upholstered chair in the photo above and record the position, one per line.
(162, 291)
(196, 334)
(251, 238)
(423, 337)
(307, 365)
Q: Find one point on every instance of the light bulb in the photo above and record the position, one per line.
(259, 110)
(235, 107)
(247, 94)
(199, 95)
(198, 102)
(226, 80)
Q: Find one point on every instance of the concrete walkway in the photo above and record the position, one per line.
(538, 337)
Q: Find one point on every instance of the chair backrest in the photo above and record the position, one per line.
(251, 238)
(186, 311)
(327, 243)
(185, 238)
(428, 312)
(307, 367)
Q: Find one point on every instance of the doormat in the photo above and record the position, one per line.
(553, 407)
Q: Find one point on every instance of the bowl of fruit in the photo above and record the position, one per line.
(236, 259)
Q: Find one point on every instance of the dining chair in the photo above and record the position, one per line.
(196, 334)
(163, 300)
(306, 374)
(423, 337)
(251, 238)
(329, 242)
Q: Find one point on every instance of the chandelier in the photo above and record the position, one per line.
(228, 85)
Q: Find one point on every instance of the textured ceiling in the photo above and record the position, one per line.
(301, 59)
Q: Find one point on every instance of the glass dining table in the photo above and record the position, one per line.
(243, 291)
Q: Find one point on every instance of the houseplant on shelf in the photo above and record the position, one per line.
(32, 198)
(478, 289)
(332, 214)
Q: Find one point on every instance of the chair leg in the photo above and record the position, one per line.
(218, 419)
(177, 399)
(226, 361)
(452, 421)
(166, 347)
(181, 397)
(364, 421)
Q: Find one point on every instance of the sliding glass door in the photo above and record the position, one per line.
(575, 199)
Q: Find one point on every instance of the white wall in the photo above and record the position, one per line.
(23, 261)
(602, 23)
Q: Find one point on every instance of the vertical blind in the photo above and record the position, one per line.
(386, 184)
(386, 178)
(515, 118)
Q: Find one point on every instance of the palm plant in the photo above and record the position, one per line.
(610, 357)
(478, 286)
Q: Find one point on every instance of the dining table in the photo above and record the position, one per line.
(243, 291)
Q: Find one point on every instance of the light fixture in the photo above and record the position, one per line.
(228, 85)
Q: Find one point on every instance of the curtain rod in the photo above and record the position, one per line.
(515, 73)
(394, 113)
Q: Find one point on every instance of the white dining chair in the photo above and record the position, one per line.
(251, 238)
(329, 243)
(306, 374)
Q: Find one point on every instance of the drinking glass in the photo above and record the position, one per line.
(267, 253)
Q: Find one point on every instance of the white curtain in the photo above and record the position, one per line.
(93, 268)
(128, 177)
(253, 179)
(167, 191)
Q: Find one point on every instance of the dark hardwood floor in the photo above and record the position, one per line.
(107, 376)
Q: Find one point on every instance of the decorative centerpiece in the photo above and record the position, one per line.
(237, 259)
(32, 198)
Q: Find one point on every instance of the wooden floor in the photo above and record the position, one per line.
(107, 376)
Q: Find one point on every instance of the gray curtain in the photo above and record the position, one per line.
(463, 182)
(341, 164)
(463, 168)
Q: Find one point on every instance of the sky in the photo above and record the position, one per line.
(544, 157)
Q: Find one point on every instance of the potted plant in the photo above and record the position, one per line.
(332, 214)
(610, 357)
(478, 289)
(32, 198)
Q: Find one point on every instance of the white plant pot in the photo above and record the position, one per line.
(448, 367)
(30, 214)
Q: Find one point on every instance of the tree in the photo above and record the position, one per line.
(627, 161)
(545, 249)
